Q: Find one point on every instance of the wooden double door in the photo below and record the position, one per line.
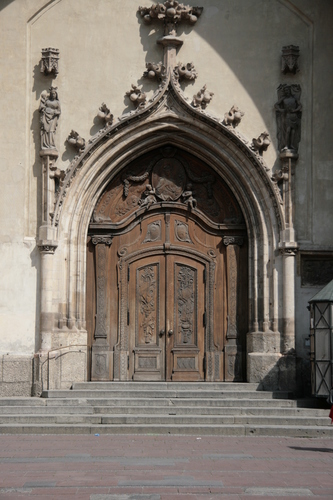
(167, 274)
(167, 317)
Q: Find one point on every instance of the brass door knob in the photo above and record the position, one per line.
(170, 332)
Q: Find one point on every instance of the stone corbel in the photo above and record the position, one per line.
(101, 356)
(232, 350)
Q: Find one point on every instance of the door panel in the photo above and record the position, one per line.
(185, 308)
(146, 313)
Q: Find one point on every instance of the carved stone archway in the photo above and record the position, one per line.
(168, 118)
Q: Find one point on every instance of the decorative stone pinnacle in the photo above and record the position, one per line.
(171, 13)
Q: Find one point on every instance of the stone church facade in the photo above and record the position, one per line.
(166, 190)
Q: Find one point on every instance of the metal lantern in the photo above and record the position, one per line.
(321, 341)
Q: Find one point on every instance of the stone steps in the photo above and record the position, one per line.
(164, 408)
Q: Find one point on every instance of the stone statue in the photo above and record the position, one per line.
(150, 197)
(188, 197)
(50, 111)
(288, 117)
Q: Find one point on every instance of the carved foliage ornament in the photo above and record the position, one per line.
(147, 300)
(76, 140)
(185, 71)
(202, 98)
(105, 114)
(171, 13)
(233, 117)
(155, 70)
(233, 240)
(261, 143)
(137, 96)
(49, 61)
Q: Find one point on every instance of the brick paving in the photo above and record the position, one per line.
(148, 467)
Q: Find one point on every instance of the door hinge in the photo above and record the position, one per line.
(204, 319)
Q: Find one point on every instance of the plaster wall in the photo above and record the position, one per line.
(235, 47)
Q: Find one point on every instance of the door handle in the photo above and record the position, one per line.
(170, 332)
(162, 332)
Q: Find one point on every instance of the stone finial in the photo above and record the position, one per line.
(171, 13)
(289, 60)
(185, 71)
(105, 114)
(261, 143)
(288, 117)
(137, 96)
(50, 111)
(76, 140)
(49, 61)
(202, 98)
(155, 70)
(233, 117)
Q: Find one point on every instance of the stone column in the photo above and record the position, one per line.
(101, 364)
(47, 245)
(288, 306)
(232, 349)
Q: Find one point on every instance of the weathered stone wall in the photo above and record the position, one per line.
(235, 47)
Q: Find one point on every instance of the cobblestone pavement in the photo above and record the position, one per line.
(128, 467)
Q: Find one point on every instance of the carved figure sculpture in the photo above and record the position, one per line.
(261, 143)
(154, 70)
(233, 117)
(171, 12)
(105, 114)
(290, 55)
(76, 140)
(50, 111)
(137, 96)
(150, 197)
(188, 197)
(185, 71)
(202, 98)
(288, 116)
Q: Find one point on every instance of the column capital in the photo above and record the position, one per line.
(47, 246)
(102, 240)
(233, 240)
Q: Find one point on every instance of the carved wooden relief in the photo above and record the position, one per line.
(171, 176)
(186, 300)
(153, 232)
(147, 304)
(181, 232)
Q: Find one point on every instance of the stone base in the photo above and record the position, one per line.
(15, 375)
(266, 366)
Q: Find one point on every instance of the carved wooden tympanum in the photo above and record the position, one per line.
(167, 278)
